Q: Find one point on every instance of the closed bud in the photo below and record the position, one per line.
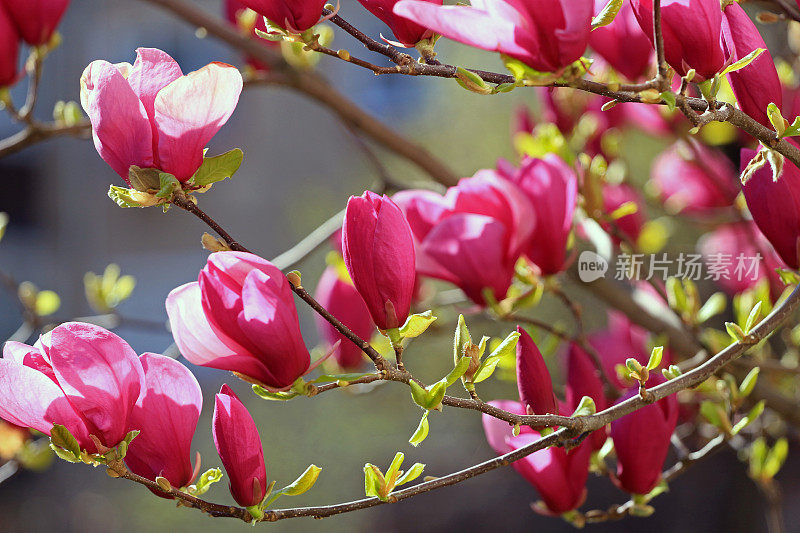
(533, 379)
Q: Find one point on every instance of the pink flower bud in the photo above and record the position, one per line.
(239, 446)
(9, 50)
(623, 44)
(166, 416)
(233, 12)
(745, 256)
(583, 379)
(547, 35)
(240, 316)
(152, 116)
(642, 440)
(691, 30)
(630, 225)
(552, 188)
(36, 20)
(379, 254)
(342, 300)
(558, 476)
(79, 376)
(408, 33)
(775, 206)
(693, 178)
(533, 379)
(756, 85)
(293, 15)
(473, 235)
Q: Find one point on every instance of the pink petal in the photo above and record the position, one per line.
(497, 431)
(100, 374)
(120, 128)
(166, 414)
(190, 111)
(30, 399)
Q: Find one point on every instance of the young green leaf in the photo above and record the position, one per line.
(413, 473)
(715, 305)
(278, 396)
(208, 478)
(303, 483)
(417, 324)
(752, 317)
(655, 357)
(743, 62)
(748, 383)
(608, 13)
(218, 168)
(421, 433)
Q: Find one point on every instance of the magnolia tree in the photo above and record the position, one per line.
(679, 372)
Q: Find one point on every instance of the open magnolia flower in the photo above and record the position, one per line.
(152, 116)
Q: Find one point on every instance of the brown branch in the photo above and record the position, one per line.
(41, 132)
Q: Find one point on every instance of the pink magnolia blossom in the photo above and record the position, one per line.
(379, 254)
(408, 33)
(473, 235)
(756, 85)
(552, 188)
(642, 441)
(36, 20)
(547, 35)
(295, 16)
(152, 116)
(694, 178)
(775, 206)
(240, 316)
(233, 12)
(691, 30)
(239, 446)
(533, 379)
(9, 50)
(80, 376)
(558, 476)
(342, 300)
(623, 44)
(583, 379)
(745, 256)
(166, 415)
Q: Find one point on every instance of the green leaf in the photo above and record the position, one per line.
(607, 15)
(471, 81)
(752, 317)
(749, 382)
(218, 168)
(302, 484)
(793, 130)
(459, 370)
(776, 119)
(436, 394)
(775, 458)
(61, 437)
(758, 456)
(743, 62)
(330, 378)
(122, 197)
(735, 331)
(676, 294)
(373, 481)
(711, 412)
(169, 184)
(413, 473)
(421, 432)
(748, 419)
(655, 357)
(715, 305)
(417, 324)
(585, 407)
(65, 455)
(269, 395)
(461, 339)
(506, 348)
(392, 472)
(419, 394)
(669, 98)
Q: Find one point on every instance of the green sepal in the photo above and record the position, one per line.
(61, 437)
(122, 197)
(168, 184)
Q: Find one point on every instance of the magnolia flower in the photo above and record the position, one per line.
(407, 32)
(622, 43)
(152, 116)
(379, 253)
(295, 16)
(79, 376)
(9, 50)
(533, 379)
(473, 235)
(240, 316)
(35, 20)
(691, 31)
(583, 379)
(235, 14)
(547, 35)
(166, 416)
(239, 446)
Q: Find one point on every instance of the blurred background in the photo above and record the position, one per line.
(300, 167)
